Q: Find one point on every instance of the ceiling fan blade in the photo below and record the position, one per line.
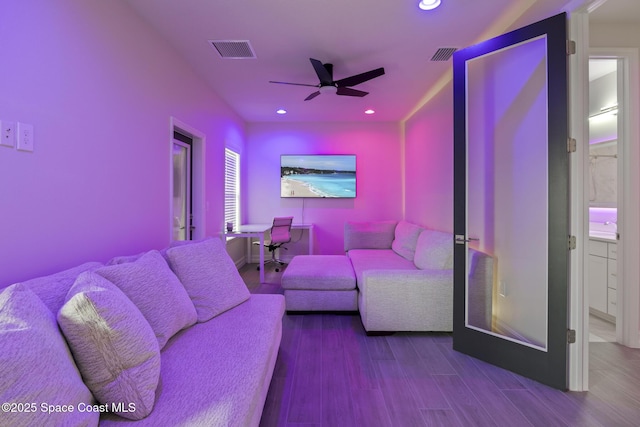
(313, 95)
(323, 74)
(360, 78)
(295, 84)
(350, 92)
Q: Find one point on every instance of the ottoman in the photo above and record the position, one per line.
(320, 283)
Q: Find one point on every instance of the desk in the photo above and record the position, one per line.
(258, 231)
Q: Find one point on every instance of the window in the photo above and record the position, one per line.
(232, 187)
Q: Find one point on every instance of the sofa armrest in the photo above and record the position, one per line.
(407, 300)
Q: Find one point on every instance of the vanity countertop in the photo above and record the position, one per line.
(603, 231)
(603, 236)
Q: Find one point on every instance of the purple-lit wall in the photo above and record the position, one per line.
(99, 88)
(429, 163)
(378, 163)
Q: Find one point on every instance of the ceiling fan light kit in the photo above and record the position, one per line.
(339, 87)
(429, 4)
(328, 89)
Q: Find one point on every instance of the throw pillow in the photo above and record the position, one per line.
(368, 235)
(113, 344)
(151, 285)
(434, 251)
(36, 366)
(406, 238)
(210, 277)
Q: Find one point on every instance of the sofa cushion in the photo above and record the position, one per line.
(406, 238)
(377, 259)
(434, 251)
(113, 344)
(151, 285)
(210, 277)
(217, 373)
(53, 289)
(368, 235)
(36, 366)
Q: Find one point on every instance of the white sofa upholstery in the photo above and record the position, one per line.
(215, 372)
(404, 275)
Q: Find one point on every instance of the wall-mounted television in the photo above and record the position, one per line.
(306, 175)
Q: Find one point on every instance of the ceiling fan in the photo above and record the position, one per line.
(339, 87)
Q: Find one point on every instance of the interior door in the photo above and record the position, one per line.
(511, 194)
(181, 202)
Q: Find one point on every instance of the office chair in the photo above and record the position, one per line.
(280, 234)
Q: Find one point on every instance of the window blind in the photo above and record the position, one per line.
(231, 187)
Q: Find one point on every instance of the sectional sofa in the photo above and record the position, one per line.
(404, 277)
(168, 337)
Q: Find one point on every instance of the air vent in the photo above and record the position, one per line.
(443, 54)
(233, 49)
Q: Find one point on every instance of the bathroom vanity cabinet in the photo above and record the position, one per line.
(603, 271)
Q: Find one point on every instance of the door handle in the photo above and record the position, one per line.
(461, 240)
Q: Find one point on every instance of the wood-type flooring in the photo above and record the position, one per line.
(330, 373)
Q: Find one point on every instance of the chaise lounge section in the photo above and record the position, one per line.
(404, 275)
(320, 283)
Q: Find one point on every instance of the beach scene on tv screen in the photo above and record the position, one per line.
(318, 176)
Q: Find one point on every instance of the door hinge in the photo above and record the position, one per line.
(571, 145)
(571, 336)
(617, 236)
(572, 242)
(571, 47)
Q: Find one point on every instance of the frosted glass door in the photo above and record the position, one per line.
(511, 201)
(507, 182)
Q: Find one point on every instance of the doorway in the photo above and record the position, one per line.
(187, 204)
(603, 198)
(628, 204)
(181, 197)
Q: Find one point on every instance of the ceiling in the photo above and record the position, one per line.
(354, 35)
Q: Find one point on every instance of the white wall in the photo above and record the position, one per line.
(428, 158)
(99, 88)
(378, 164)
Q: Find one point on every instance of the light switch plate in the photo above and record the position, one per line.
(7, 133)
(25, 137)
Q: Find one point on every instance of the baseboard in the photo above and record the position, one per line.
(602, 315)
(240, 262)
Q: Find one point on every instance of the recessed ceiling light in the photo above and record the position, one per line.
(429, 4)
(281, 111)
(369, 111)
